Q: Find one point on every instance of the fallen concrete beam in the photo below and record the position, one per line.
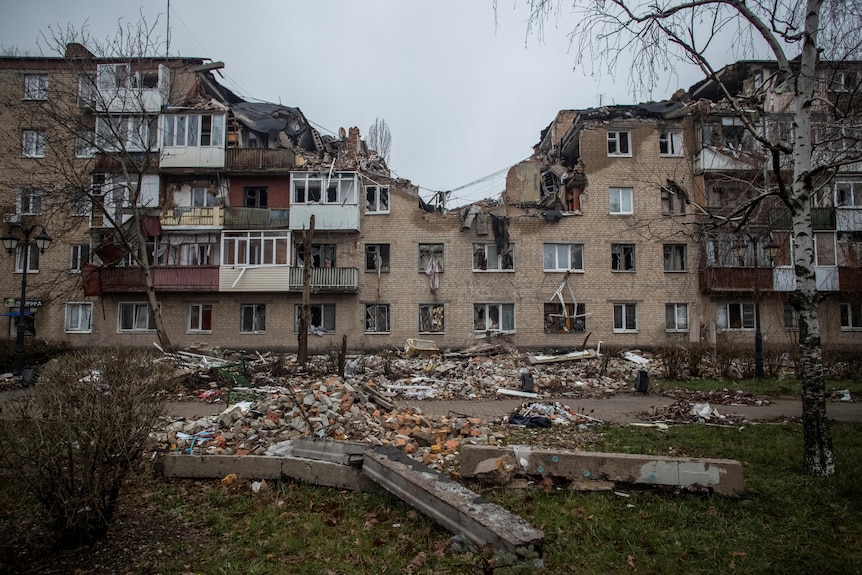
(452, 505)
(723, 476)
(323, 473)
(343, 452)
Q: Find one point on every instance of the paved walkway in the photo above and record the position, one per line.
(622, 408)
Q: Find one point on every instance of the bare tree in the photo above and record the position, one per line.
(101, 129)
(380, 138)
(806, 39)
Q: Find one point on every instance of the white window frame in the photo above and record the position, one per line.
(625, 318)
(744, 311)
(79, 254)
(196, 318)
(187, 130)
(493, 261)
(78, 317)
(574, 320)
(676, 318)
(33, 143)
(87, 91)
(621, 200)
(563, 257)
(32, 256)
(252, 318)
(381, 253)
(326, 313)
(138, 309)
(851, 316)
(618, 259)
(674, 261)
(428, 320)
(377, 199)
(670, 144)
(113, 76)
(376, 313)
(505, 317)
(852, 192)
(619, 143)
(202, 198)
(671, 203)
(314, 188)
(129, 133)
(29, 202)
(250, 248)
(84, 145)
(35, 86)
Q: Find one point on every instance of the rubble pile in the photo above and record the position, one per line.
(685, 411)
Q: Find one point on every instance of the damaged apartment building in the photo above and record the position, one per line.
(599, 236)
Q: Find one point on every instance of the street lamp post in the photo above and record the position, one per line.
(10, 242)
(770, 250)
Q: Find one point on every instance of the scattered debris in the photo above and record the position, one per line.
(571, 356)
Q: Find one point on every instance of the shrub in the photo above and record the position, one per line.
(673, 359)
(842, 361)
(75, 435)
(36, 351)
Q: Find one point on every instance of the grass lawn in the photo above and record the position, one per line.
(785, 523)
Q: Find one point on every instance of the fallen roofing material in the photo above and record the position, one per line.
(722, 476)
(455, 507)
(571, 356)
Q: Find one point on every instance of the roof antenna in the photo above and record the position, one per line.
(168, 43)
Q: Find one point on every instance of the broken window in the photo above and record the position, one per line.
(672, 203)
(618, 143)
(308, 188)
(850, 249)
(430, 258)
(486, 257)
(200, 317)
(623, 257)
(675, 257)
(135, 317)
(203, 198)
(112, 76)
(621, 200)
(563, 257)
(377, 258)
(735, 315)
(431, 318)
(625, 317)
(377, 318)
(253, 318)
(676, 317)
(670, 143)
(376, 199)
(322, 256)
(254, 197)
(570, 318)
(498, 317)
(321, 318)
(193, 130)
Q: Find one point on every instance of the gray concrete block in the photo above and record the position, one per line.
(452, 505)
(343, 452)
(217, 466)
(722, 476)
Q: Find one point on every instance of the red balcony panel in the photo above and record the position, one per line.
(165, 278)
(850, 279)
(739, 280)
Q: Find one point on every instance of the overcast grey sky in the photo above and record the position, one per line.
(464, 90)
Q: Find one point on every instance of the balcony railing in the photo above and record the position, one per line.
(259, 159)
(112, 162)
(188, 216)
(344, 280)
(821, 219)
(256, 218)
(740, 280)
(165, 278)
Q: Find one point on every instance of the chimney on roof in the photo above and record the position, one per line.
(353, 143)
(74, 50)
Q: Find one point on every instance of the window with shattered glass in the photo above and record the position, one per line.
(377, 318)
(377, 258)
(253, 318)
(568, 319)
(431, 318)
(376, 199)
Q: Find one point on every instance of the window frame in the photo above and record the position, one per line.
(744, 311)
(138, 307)
(851, 316)
(672, 204)
(87, 316)
(431, 252)
(853, 190)
(33, 143)
(34, 200)
(671, 258)
(250, 248)
(500, 259)
(791, 318)
(338, 189)
(32, 257)
(428, 310)
(621, 192)
(255, 197)
(617, 142)
(192, 130)
(503, 310)
(619, 262)
(77, 259)
(579, 267)
(672, 141)
(552, 314)
(671, 310)
(39, 92)
(377, 201)
(84, 144)
(384, 252)
(257, 318)
(378, 308)
(203, 314)
(627, 317)
(327, 315)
